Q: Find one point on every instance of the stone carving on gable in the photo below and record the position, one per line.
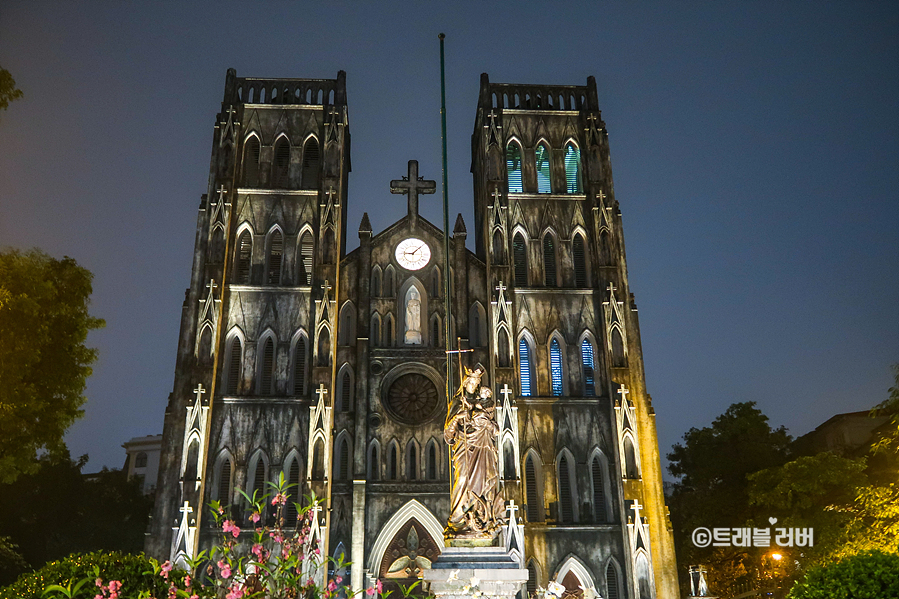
(507, 417)
(208, 320)
(628, 447)
(228, 128)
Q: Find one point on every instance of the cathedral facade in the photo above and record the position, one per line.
(299, 357)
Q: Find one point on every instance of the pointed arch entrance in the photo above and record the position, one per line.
(409, 542)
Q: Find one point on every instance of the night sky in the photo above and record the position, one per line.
(755, 153)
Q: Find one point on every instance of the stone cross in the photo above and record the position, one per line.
(505, 392)
(623, 392)
(501, 288)
(199, 391)
(321, 392)
(496, 196)
(186, 509)
(511, 509)
(331, 191)
(637, 507)
(211, 284)
(326, 287)
(602, 196)
(412, 185)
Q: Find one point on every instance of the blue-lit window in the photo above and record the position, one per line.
(544, 181)
(555, 366)
(572, 168)
(513, 167)
(589, 372)
(524, 364)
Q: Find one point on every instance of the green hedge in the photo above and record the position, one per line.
(127, 568)
(868, 575)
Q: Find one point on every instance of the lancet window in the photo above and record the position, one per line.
(544, 176)
(513, 167)
(572, 168)
(520, 258)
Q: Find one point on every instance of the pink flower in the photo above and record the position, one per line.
(99, 597)
(317, 551)
(255, 517)
(279, 498)
(187, 580)
(257, 551)
(339, 579)
(99, 582)
(332, 586)
(224, 569)
(370, 591)
(229, 526)
(235, 593)
(378, 586)
(165, 568)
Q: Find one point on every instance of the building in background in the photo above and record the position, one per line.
(142, 460)
(299, 357)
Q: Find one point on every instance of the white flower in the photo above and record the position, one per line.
(590, 593)
(554, 589)
(475, 581)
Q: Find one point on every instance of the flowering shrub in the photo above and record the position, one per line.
(281, 561)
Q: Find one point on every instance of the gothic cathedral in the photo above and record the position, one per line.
(299, 357)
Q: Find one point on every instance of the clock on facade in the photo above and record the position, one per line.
(413, 254)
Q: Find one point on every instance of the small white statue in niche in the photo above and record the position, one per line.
(413, 317)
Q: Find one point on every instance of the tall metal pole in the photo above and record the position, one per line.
(447, 329)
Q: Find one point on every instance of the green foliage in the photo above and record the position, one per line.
(134, 571)
(44, 363)
(869, 575)
(11, 561)
(889, 441)
(8, 90)
(815, 492)
(55, 511)
(712, 465)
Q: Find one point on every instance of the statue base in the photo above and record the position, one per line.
(460, 571)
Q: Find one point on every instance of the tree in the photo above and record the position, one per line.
(889, 440)
(817, 492)
(8, 90)
(869, 575)
(712, 465)
(44, 363)
(56, 511)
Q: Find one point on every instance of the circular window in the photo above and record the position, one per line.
(412, 398)
(376, 368)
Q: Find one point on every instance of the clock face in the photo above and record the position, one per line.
(413, 254)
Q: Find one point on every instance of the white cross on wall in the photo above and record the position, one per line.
(512, 509)
(501, 287)
(505, 392)
(321, 392)
(623, 392)
(326, 286)
(200, 391)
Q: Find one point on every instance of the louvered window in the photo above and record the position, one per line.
(307, 248)
(520, 256)
(224, 491)
(599, 496)
(267, 367)
(580, 261)
(275, 258)
(513, 167)
(234, 367)
(544, 178)
(613, 588)
(549, 261)
(299, 367)
(555, 366)
(344, 465)
(244, 255)
(572, 168)
(311, 164)
(524, 364)
(251, 163)
(535, 510)
(346, 388)
(588, 371)
(259, 479)
(282, 163)
(293, 478)
(565, 492)
(435, 332)
(532, 581)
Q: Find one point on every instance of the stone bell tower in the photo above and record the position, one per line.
(578, 437)
(255, 372)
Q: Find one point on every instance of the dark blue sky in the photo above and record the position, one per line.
(755, 151)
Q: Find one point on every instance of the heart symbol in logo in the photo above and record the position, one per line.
(773, 521)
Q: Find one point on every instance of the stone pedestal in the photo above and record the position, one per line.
(466, 572)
